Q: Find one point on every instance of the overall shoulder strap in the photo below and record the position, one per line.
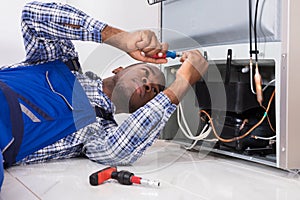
(16, 122)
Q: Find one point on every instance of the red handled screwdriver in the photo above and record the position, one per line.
(123, 177)
(168, 54)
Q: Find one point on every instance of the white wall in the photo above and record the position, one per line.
(11, 42)
(11, 48)
(128, 15)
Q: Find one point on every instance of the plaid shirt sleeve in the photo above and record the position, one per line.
(124, 144)
(46, 35)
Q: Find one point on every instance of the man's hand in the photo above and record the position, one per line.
(193, 66)
(192, 69)
(139, 55)
(140, 45)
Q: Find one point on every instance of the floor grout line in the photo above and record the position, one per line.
(34, 194)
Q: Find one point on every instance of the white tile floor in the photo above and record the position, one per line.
(183, 175)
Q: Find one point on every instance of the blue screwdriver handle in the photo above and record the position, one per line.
(171, 54)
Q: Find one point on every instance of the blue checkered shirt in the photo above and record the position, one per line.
(46, 38)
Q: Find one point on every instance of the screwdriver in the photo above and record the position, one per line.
(168, 54)
(123, 177)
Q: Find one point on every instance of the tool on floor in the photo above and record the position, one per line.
(123, 177)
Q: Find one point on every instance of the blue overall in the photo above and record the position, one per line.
(1, 171)
(39, 105)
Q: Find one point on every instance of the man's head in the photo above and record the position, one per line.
(135, 85)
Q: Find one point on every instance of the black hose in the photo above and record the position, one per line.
(255, 32)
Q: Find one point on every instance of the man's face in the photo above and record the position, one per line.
(135, 86)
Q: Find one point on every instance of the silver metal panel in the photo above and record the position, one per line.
(217, 22)
(293, 83)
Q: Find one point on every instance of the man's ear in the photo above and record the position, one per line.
(117, 70)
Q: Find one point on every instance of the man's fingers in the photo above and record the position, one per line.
(149, 43)
(184, 56)
(138, 55)
(164, 47)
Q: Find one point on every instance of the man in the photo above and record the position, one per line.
(48, 29)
